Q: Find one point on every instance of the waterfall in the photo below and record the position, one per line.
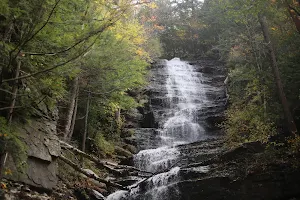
(184, 95)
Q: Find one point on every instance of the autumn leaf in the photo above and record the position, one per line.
(152, 5)
(8, 172)
(3, 185)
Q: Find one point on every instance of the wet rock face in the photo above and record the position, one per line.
(185, 104)
(240, 173)
(266, 184)
(43, 148)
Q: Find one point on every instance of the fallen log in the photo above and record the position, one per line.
(79, 169)
(132, 168)
(105, 164)
(65, 145)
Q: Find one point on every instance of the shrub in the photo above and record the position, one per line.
(246, 124)
(103, 145)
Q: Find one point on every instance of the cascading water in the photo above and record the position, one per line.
(186, 94)
(184, 97)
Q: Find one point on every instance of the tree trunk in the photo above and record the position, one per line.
(71, 108)
(3, 158)
(284, 102)
(74, 116)
(294, 15)
(14, 93)
(85, 123)
(118, 115)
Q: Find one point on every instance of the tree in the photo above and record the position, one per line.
(291, 124)
(52, 47)
(238, 36)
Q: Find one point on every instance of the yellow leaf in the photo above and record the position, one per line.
(3, 185)
(8, 172)
(139, 52)
(152, 5)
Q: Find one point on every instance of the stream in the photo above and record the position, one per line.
(181, 101)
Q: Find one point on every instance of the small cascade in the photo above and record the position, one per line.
(155, 187)
(183, 96)
(155, 160)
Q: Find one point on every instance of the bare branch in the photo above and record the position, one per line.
(22, 44)
(43, 26)
(54, 67)
(112, 21)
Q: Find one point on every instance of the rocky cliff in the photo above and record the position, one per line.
(42, 148)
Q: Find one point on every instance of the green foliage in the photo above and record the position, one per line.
(233, 30)
(4, 8)
(130, 132)
(247, 124)
(100, 42)
(295, 144)
(103, 145)
(179, 28)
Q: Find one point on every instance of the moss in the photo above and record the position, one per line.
(13, 145)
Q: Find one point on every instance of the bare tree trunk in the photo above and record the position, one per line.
(291, 125)
(71, 108)
(294, 15)
(14, 93)
(74, 116)
(118, 115)
(3, 158)
(85, 124)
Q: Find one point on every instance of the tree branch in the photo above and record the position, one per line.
(91, 34)
(51, 68)
(43, 26)
(22, 44)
